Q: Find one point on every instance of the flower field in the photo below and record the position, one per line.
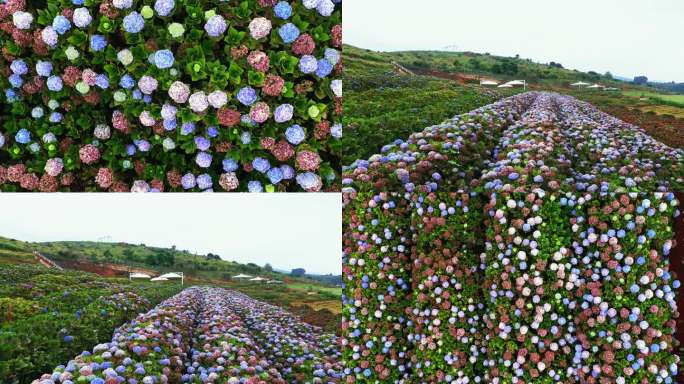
(524, 242)
(47, 316)
(208, 335)
(170, 95)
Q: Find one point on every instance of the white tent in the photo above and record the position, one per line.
(488, 82)
(274, 282)
(579, 84)
(518, 82)
(241, 276)
(595, 86)
(137, 275)
(505, 86)
(174, 275)
(159, 279)
(258, 279)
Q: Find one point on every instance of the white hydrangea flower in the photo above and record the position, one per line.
(217, 99)
(122, 4)
(336, 87)
(125, 57)
(22, 20)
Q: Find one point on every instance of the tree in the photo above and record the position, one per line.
(608, 75)
(298, 272)
(642, 80)
(268, 267)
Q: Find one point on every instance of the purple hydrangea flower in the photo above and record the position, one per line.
(215, 26)
(102, 81)
(247, 95)
(275, 175)
(187, 128)
(336, 130)
(164, 7)
(308, 180)
(202, 143)
(230, 165)
(203, 159)
(325, 8)
(19, 67)
(44, 68)
(212, 131)
(204, 181)
(288, 172)
(133, 22)
(295, 134)
(49, 36)
(54, 83)
(188, 181)
(15, 80)
(308, 64)
(255, 186)
(260, 164)
(283, 113)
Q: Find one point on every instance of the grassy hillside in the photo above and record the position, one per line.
(383, 103)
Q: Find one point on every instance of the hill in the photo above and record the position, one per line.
(444, 84)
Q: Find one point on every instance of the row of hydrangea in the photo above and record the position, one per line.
(534, 139)
(526, 287)
(121, 95)
(207, 335)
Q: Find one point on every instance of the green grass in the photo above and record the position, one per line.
(382, 105)
(337, 291)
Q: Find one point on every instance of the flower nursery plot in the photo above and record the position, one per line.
(208, 335)
(524, 242)
(170, 95)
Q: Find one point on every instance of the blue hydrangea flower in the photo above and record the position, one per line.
(204, 181)
(137, 94)
(15, 80)
(23, 136)
(283, 113)
(54, 83)
(131, 150)
(19, 67)
(102, 81)
(44, 68)
(143, 145)
(163, 59)
(295, 134)
(127, 81)
(212, 131)
(164, 7)
(187, 128)
(77, 2)
(307, 180)
(283, 10)
(97, 43)
(11, 95)
(275, 175)
(61, 24)
(324, 68)
(247, 95)
(202, 143)
(230, 165)
(288, 172)
(215, 26)
(245, 137)
(203, 159)
(325, 8)
(133, 22)
(2, 140)
(260, 164)
(289, 33)
(336, 130)
(308, 64)
(188, 181)
(55, 117)
(170, 124)
(255, 186)
(332, 55)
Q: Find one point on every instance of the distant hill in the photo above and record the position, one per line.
(115, 259)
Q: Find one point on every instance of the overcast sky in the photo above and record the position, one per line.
(625, 37)
(287, 230)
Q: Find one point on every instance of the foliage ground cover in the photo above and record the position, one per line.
(49, 316)
(178, 95)
(550, 265)
(209, 335)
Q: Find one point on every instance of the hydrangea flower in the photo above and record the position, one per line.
(82, 17)
(215, 26)
(23, 136)
(44, 68)
(163, 59)
(289, 33)
(97, 42)
(54, 83)
(133, 22)
(259, 27)
(255, 186)
(61, 24)
(164, 7)
(283, 10)
(247, 95)
(295, 134)
(308, 64)
(22, 20)
(283, 113)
